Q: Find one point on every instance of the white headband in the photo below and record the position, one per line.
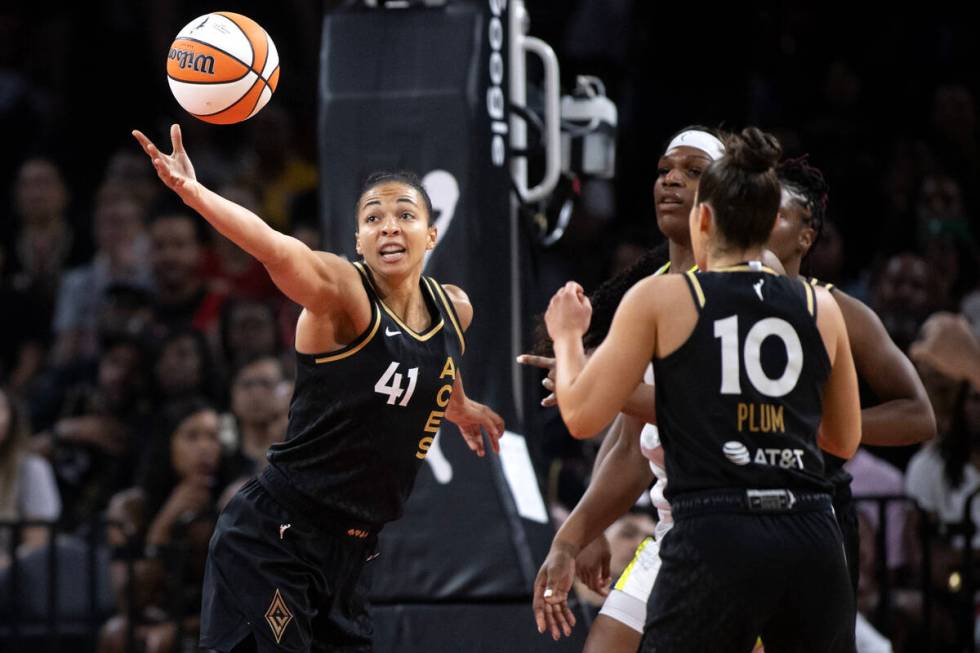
(707, 143)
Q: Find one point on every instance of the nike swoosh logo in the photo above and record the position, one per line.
(392, 333)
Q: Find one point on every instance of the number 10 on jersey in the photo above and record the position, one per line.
(727, 331)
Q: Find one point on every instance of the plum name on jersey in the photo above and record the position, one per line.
(443, 395)
(760, 418)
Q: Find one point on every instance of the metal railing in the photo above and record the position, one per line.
(928, 532)
(42, 608)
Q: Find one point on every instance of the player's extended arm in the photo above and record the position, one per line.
(318, 281)
(591, 393)
(641, 404)
(621, 479)
(904, 415)
(617, 482)
(469, 415)
(840, 428)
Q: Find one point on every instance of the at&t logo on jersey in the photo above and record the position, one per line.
(739, 454)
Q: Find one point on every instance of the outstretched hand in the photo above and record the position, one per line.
(175, 169)
(551, 588)
(544, 363)
(470, 416)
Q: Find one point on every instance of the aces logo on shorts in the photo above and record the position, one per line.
(278, 616)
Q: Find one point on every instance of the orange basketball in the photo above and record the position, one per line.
(223, 67)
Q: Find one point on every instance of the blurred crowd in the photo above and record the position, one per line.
(145, 361)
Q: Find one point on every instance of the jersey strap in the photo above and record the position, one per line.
(362, 340)
(695, 287)
(815, 282)
(436, 288)
(811, 298)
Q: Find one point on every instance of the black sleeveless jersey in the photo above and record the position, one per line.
(363, 418)
(739, 403)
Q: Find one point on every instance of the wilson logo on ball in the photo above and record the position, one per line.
(187, 59)
(223, 67)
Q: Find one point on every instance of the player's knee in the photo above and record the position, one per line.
(608, 635)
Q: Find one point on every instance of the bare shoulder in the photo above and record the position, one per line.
(830, 321)
(461, 302)
(659, 291)
(853, 309)
(339, 267)
(664, 306)
(456, 294)
(342, 290)
(653, 296)
(825, 301)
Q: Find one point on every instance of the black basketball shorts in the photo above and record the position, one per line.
(273, 576)
(731, 572)
(846, 512)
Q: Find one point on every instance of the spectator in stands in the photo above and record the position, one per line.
(276, 167)
(23, 342)
(94, 440)
(169, 517)
(27, 486)
(873, 476)
(942, 474)
(39, 243)
(183, 368)
(940, 478)
(176, 255)
(44, 242)
(947, 344)
(249, 329)
(944, 236)
(121, 256)
(260, 395)
(903, 295)
(127, 311)
(134, 174)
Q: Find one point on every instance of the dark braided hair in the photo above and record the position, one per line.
(606, 298)
(954, 445)
(803, 179)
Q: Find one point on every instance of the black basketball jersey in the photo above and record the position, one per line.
(739, 403)
(363, 418)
